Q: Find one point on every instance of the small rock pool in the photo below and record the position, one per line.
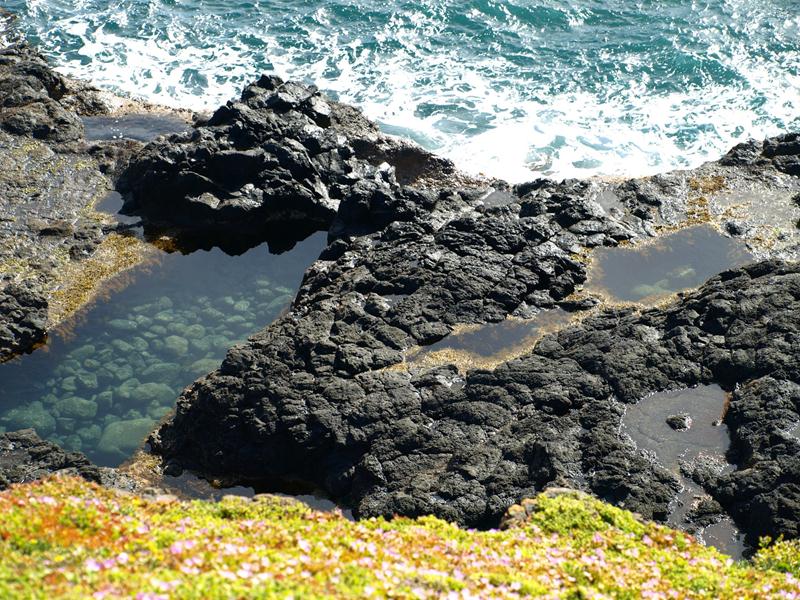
(488, 345)
(141, 127)
(677, 429)
(103, 380)
(654, 270)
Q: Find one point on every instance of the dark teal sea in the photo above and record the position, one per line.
(513, 88)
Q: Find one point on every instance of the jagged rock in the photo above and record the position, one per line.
(679, 422)
(784, 151)
(29, 95)
(23, 319)
(283, 154)
(25, 457)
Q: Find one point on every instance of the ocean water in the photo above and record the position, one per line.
(514, 88)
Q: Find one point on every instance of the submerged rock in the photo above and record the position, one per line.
(77, 408)
(34, 415)
(122, 438)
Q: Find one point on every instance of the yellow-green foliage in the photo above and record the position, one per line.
(63, 538)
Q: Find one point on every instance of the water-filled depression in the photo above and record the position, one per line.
(102, 381)
(654, 270)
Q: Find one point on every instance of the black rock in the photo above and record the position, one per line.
(679, 422)
(784, 152)
(283, 156)
(25, 457)
(29, 98)
(23, 319)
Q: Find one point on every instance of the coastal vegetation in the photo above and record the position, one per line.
(65, 538)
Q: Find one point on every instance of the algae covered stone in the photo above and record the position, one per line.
(147, 393)
(32, 416)
(77, 408)
(122, 438)
(123, 324)
(204, 366)
(162, 371)
(176, 345)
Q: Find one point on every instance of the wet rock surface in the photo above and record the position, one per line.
(48, 182)
(55, 248)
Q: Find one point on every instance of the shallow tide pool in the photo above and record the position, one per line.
(103, 381)
(652, 271)
(697, 432)
(488, 345)
(144, 127)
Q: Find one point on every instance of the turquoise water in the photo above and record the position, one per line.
(514, 89)
(102, 382)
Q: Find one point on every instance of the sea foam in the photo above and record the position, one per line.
(507, 89)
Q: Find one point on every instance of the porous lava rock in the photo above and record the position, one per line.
(283, 154)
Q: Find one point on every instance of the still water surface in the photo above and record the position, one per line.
(104, 380)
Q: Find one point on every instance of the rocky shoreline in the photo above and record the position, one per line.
(55, 248)
(325, 398)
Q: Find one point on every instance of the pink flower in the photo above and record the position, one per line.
(180, 546)
(92, 565)
(165, 586)
(123, 558)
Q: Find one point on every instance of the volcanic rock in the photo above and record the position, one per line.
(283, 154)
(26, 457)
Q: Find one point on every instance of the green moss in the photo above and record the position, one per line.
(64, 538)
